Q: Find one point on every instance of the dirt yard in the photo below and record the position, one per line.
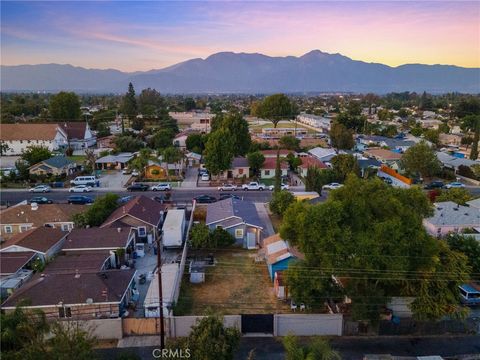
(235, 285)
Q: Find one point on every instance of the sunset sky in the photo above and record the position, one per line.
(132, 36)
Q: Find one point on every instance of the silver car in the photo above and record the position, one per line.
(40, 189)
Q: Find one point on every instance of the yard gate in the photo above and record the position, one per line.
(257, 323)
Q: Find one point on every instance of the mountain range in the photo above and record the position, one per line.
(228, 72)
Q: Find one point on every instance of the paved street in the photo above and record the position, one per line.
(350, 348)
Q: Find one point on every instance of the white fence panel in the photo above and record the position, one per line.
(308, 324)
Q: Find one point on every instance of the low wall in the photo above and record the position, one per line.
(103, 329)
(308, 324)
(181, 326)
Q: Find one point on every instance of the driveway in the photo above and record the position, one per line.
(113, 179)
(263, 214)
(191, 176)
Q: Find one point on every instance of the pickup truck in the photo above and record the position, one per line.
(253, 186)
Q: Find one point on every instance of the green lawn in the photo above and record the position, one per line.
(77, 158)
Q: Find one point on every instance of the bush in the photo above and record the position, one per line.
(202, 238)
(467, 172)
(221, 238)
(281, 200)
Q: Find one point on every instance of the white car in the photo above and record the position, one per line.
(227, 187)
(135, 173)
(40, 189)
(161, 187)
(282, 187)
(80, 188)
(332, 186)
(205, 177)
(454, 185)
(253, 186)
(126, 171)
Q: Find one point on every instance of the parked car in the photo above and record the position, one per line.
(135, 173)
(84, 180)
(126, 171)
(40, 200)
(161, 187)
(228, 196)
(332, 186)
(253, 186)
(227, 187)
(434, 185)
(124, 199)
(205, 177)
(282, 187)
(137, 187)
(204, 199)
(79, 199)
(80, 188)
(40, 189)
(202, 171)
(454, 185)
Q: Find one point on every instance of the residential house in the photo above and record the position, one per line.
(198, 121)
(45, 242)
(450, 139)
(318, 122)
(106, 142)
(240, 218)
(193, 158)
(450, 217)
(364, 164)
(19, 136)
(77, 295)
(453, 162)
(20, 218)
(323, 154)
(141, 213)
(239, 169)
(155, 171)
(15, 270)
(104, 240)
(114, 162)
(273, 153)
(384, 156)
(267, 171)
(83, 261)
(79, 135)
(56, 165)
(307, 162)
(180, 140)
(399, 145)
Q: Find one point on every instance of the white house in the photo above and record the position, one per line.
(79, 135)
(19, 136)
(318, 122)
(323, 154)
(450, 217)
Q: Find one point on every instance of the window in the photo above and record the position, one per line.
(267, 172)
(24, 228)
(8, 229)
(65, 227)
(64, 312)
(218, 227)
(142, 231)
(239, 233)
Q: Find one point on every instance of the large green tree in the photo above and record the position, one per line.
(237, 126)
(470, 247)
(344, 164)
(280, 201)
(65, 106)
(472, 123)
(275, 108)
(372, 235)
(352, 118)
(219, 151)
(35, 153)
(129, 104)
(341, 137)
(317, 177)
(96, 214)
(289, 142)
(162, 139)
(127, 143)
(150, 102)
(195, 143)
(420, 159)
(255, 161)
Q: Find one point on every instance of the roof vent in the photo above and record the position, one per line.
(34, 206)
(89, 301)
(77, 274)
(42, 275)
(119, 229)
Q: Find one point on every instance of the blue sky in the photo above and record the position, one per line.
(144, 35)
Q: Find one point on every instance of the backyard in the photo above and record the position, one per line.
(235, 285)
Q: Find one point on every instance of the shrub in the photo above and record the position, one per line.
(281, 200)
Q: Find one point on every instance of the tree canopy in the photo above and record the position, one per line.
(127, 143)
(129, 105)
(372, 235)
(219, 151)
(420, 159)
(98, 212)
(35, 153)
(255, 161)
(289, 142)
(341, 137)
(275, 108)
(64, 106)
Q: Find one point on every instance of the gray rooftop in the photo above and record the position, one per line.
(230, 208)
(449, 213)
(58, 162)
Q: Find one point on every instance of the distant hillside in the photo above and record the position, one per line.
(228, 72)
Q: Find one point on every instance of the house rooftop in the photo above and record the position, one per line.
(324, 154)
(83, 261)
(74, 130)
(271, 163)
(40, 239)
(450, 213)
(11, 262)
(97, 238)
(229, 210)
(140, 207)
(383, 154)
(73, 288)
(57, 162)
(239, 162)
(30, 131)
(310, 161)
(44, 214)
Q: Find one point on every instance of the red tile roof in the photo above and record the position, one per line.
(311, 161)
(271, 163)
(11, 132)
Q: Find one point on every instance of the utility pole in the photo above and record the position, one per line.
(160, 296)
